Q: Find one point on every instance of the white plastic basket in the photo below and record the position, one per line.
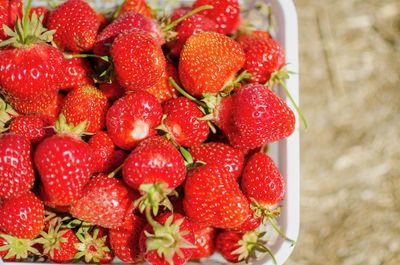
(286, 153)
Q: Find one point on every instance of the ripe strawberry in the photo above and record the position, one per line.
(262, 180)
(182, 122)
(259, 117)
(16, 170)
(249, 39)
(112, 90)
(9, 11)
(59, 244)
(163, 90)
(78, 72)
(22, 215)
(169, 240)
(237, 247)
(226, 14)
(30, 127)
(133, 118)
(126, 22)
(139, 62)
(93, 247)
(64, 163)
(86, 103)
(189, 27)
(103, 151)
(40, 11)
(224, 207)
(204, 239)
(252, 223)
(124, 239)
(154, 168)
(209, 61)
(263, 58)
(219, 154)
(104, 201)
(139, 6)
(76, 25)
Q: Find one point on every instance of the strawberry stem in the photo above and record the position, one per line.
(186, 94)
(112, 174)
(81, 55)
(26, 21)
(174, 23)
(279, 231)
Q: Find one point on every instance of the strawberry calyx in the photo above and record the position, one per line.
(62, 127)
(167, 239)
(154, 196)
(7, 113)
(279, 77)
(91, 248)
(27, 30)
(250, 244)
(18, 248)
(235, 83)
(52, 239)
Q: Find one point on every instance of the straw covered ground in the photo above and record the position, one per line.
(350, 60)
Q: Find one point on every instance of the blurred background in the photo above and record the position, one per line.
(350, 92)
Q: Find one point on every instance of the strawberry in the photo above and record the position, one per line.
(126, 22)
(116, 161)
(182, 122)
(64, 163)
(93, 247)
(104, 201)
(163, 90)
(213, 198)
(259, 117)
(263, 58)
(112, 90)
(204, 239)
(76, 25)
(133, 118)
(16, 170)
(252, 223)
(237, 247)
(9, 11)
(139, 6)
(103, 151)
(86, 103)
(226, 14)
(124, 239)
(209, 62)
(139, 62)
(30, 127)
(249, 39)
(40, 11)
(154, 168)
(78, 72)
(262, 180)
(220, 154)
(22, 216)
(167, 240)
(59, 244)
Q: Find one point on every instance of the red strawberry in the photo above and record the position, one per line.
(125, 239)
(237, 247)
(59, 244)
(169, 240)
(139, 6)
(103, 151)
(16, 170)
(259, 117)
(126, 22)
(117, 160)
(40, 11)
(204, 239)
(220, 154)
(30, 127)
(112, 90)
(139, 62)
(252, 223)
(9, 11)
(104, 201)
(133, 118)
(209, 61)
(226, 14)
(78, 72)
(262, 180)
(86, 103)
(213, 198)
(263, 58)
(22, 216)
(163, 90)
(93, 247)
(182, 122)
(76, 25)
(249, 39)
(155, 168)
(189, 27)
(64, 163)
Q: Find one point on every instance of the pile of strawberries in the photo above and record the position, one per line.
(135, 137)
